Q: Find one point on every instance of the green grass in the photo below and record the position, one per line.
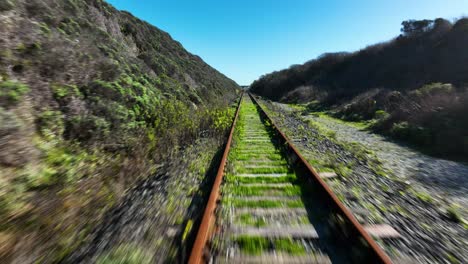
(249, 220)
(256, 151)
(284, 169)
(282, 179)
(252, 245)
(289, 245)
(262, 190)
(356, 124)
(264, 203)
(11, 92)
(255, 245)
(423, 196)
(262, 162)
(454, 213)
(128, 254)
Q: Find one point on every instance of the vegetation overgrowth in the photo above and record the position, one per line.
(411, 88)
(91, 100)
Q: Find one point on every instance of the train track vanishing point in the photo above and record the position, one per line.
(268, 205)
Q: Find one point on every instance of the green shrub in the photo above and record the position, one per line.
(381, 114)
(433, 88)
(6, 5)
(222, 118)
(69, 26)
(125, 255)
(50, 124)
(44, 28)
(253, 245)
(44, 176)
(105, 90)
(314, 106)
(11, 92)
(85, 128)
(414, 134)
(453, 212)
(63, 93)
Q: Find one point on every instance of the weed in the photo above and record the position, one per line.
(249, 220)
(453, 212)
(264, 203)
(289, 245)
(6, 5)
(262, 190)
(282, 179)
(50, 124)
(128, 254)
(187, 229)
(423, 196)
(252, 245)
(11, 92)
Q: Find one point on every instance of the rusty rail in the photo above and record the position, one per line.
(197, 254)
(369, 251)
(376, 254)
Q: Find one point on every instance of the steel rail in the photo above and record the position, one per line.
(197, 254)
(377, 254)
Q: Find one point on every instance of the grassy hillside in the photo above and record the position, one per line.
(91, 99)
(414, 87)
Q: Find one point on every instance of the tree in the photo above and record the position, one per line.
(416, 27)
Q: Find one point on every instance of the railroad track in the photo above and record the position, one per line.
(268, 205)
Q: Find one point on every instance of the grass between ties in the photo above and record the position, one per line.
(256, 245)
(259, 156)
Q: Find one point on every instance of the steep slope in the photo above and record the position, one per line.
(415, 85)
(91, 99)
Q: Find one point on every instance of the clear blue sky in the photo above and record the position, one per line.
(247, 38)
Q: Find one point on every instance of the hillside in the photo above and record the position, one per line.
(412, 88)
(91, 100)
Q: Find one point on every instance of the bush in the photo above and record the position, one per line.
(414, 134)
(50, 124)
(381, 114)
(11, 92)
(125, 254)
(64, 93)
(433, 89)
(102, 89)
(86, 128)
(6, 5)
(9, 122)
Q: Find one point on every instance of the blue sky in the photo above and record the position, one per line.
(245, 39)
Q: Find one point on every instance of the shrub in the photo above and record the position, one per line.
(86, 128)
(433, 89)
(222, 119)
(414, 134)
(44, 28)
(103, 89)
(11, 92)
(6, 5)
(63, 93)
(127, 254)
(43, 176)
(9, 122)
(50, 124)
(380, 114)
(69, 26)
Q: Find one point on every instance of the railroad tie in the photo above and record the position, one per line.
(280, 258)
(253, 175)
(382, 231)
(304, 231)
(266, 213)
(327, 175)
